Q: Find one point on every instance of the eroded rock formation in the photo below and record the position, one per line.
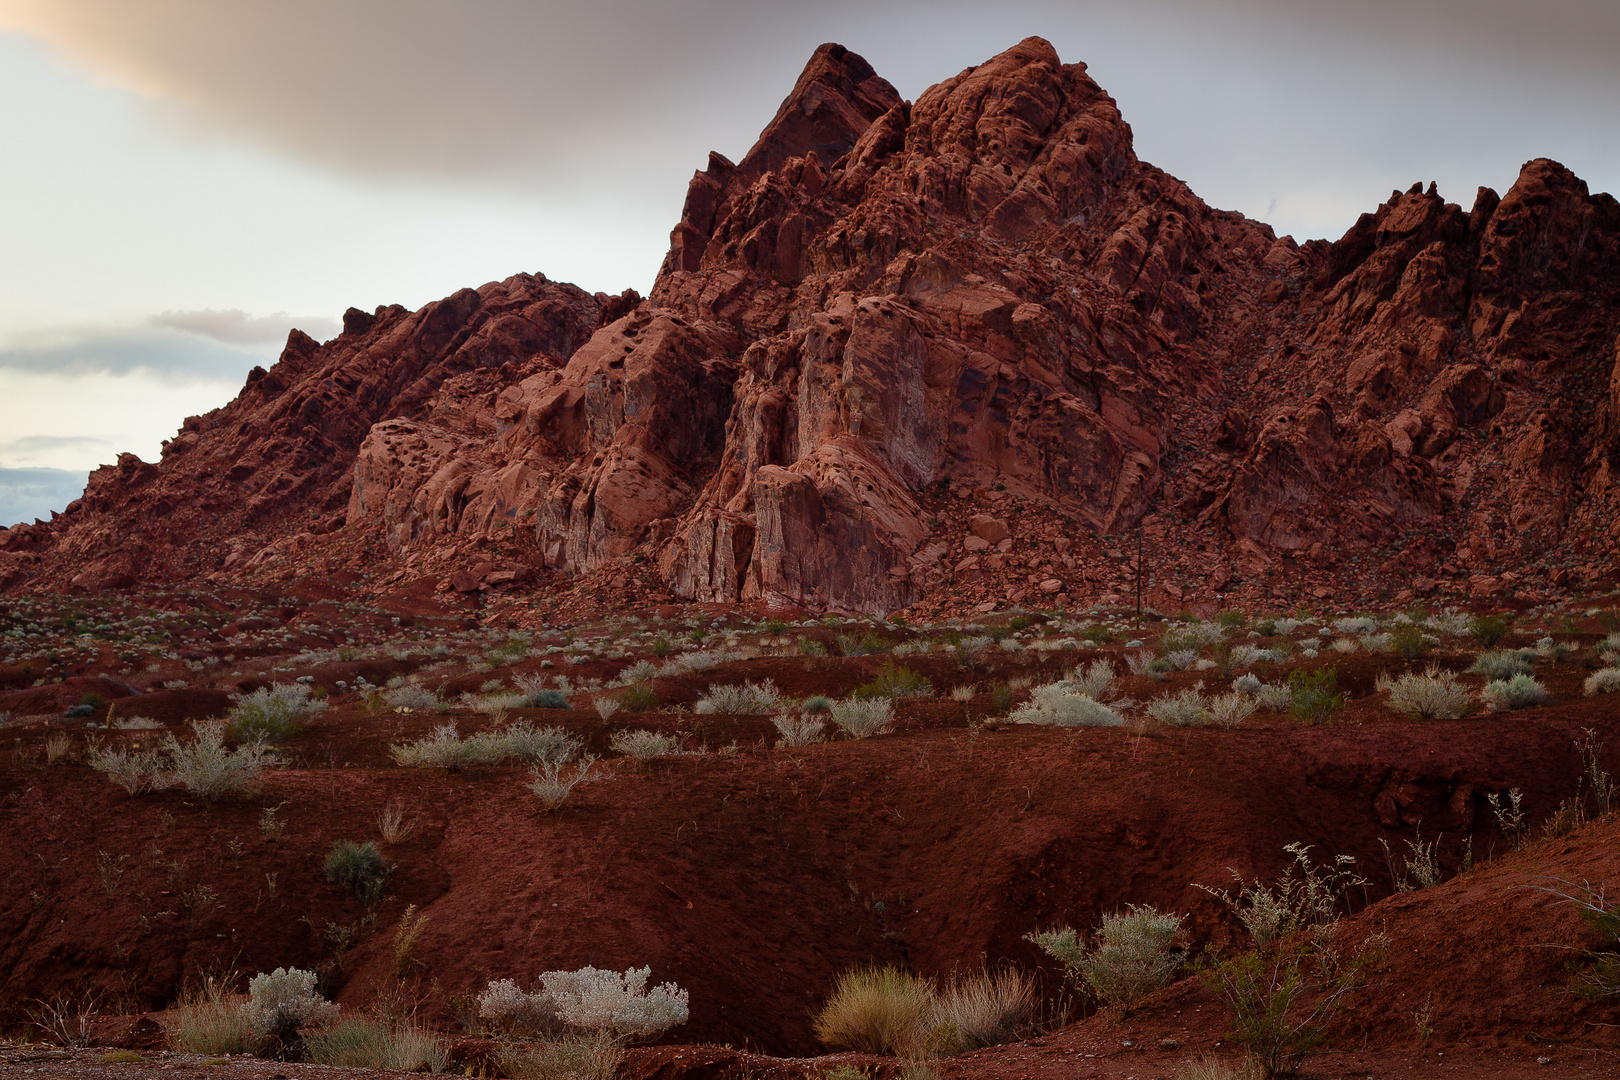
(887, 312)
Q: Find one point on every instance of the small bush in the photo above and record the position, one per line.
(605, 706)
(1097, 681)
(374, 1042)
(811, 647)
(1186, 709)
(1210, 1067)
(1408, 641)
(749, 699)
(639, 698)
(1274, 698)
(446, 749)
(1488, 629)
(272, 713)
(548, 699)
(799, 730)
(877, 1011)
(206, 769)
(1001, 697)
(594, 1056)
(1313, 696)
(209, 1021)
(817, 703)
(1602, 681)
(415, 698)
(1519, 692)
(1247, 683)
(1230, 710)
(1504, 665)
(1131, 959)
(895, 682)
(358, 869)
(530, 744)
(984, 1009)
(588, 1000)
(552, 787)
(860, 719)
(1433, 695)
(135, 771)
(284, 1002)
(643, 745)
(970, 651)
(640, 671)
(1060, 704)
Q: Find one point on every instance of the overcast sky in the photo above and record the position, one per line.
(184, 180)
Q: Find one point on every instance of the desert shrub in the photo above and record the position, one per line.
(1505, 664)
(643, 745)
(1179, 659)
(547, 699)
(284, 1002)
(983, 1009)
(1355, 624)
(530, 744)
(661, 645)
(1557, 651)
(748, 698)
(640, 671)
(135, 723)
(1096, 681)
(1313, 696)
(1210, 1067)
(860, 719)
(895, 682)
(358, 869)
(1060, 704)
(551, 786)
(1267, 628)
(1283, 1002)
(1408, 641)
(1603, 681)
(1519, 692)
(1274, 698)
(817, 703)
(970, 651)
(868, 644)
(1307, 895)
(1186, 709)
(1001, 697)
(375, 1042)
(621, 1004)
(1229, 619)
(1192, 636)
(446, 749)
(272, 713)
(605, 706)
(799, 730)
(1452, 624)
(1131, 957)
(133, 770)
(1230, 710)
(592, 1056)
(205, 768)
(1247, 683)
(210, 1021)
(963, 693)
(413, 697)
(811, 647)
(1420, 869)
(505, 1008)
(1602, 979)
(1241, 655)
(1433, 695)
(1488, 629)
(877, 1011)
(639, 698)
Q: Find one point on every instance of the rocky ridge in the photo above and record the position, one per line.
(955, 353)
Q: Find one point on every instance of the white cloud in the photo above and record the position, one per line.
(237, 327)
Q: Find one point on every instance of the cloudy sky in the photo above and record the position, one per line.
(184, 180)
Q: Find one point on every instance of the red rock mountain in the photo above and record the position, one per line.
(895, 332)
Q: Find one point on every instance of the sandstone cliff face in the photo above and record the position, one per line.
(888, 313)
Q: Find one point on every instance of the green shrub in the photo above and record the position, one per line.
(1519, 692)
(811, 647)
(1488, 629)
(272, 713)
(1018, 622)
(1001, 697)
(661, 645)
(1130, 960)
(1408, 641)
(775, 626)
(549, 699)
(639, 697)
(895, 682)
(1313, 695)
(1230, 619)
(358, 869)
(1266, 627)
(817, 703)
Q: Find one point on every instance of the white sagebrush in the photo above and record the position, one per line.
(860, 719)
(623, 1004)
(552, 786)
(204, 767)
(1433, 695)
(1274, 697)
(1355, 624)
(1519, 692)
(643, 745)
(640, 671)
(1186, 709)
(1453, 624)
(1247, 683)
(284, 1001)
(1096, 681)
(749, 698)
(605, 706)
(799, 730)
(413, 697)
(1141, 662)
(1603, 681)
(1231, 709)
(1062, 704)
(530, 744)
(1181, 659)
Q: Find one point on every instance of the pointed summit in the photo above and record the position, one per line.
(837, 97)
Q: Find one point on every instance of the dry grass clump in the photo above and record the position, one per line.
(208, 1020)
(1230, 709)
(1186, 709)
(643, 745)
(374, 1042)
(552, 787)
(1211, 1067)
(1603, 681)
(1433, 695)
(878, 1011)
(984, 1009)
(594, 1055)
(391, 824)
(749, 698)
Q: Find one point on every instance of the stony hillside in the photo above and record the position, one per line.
(954, 353)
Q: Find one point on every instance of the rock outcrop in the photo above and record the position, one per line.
(890, 316)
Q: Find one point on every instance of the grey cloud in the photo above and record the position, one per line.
(1319, 104)
(29, 445)
(27, 494)
(166, 352)
(237, 327)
